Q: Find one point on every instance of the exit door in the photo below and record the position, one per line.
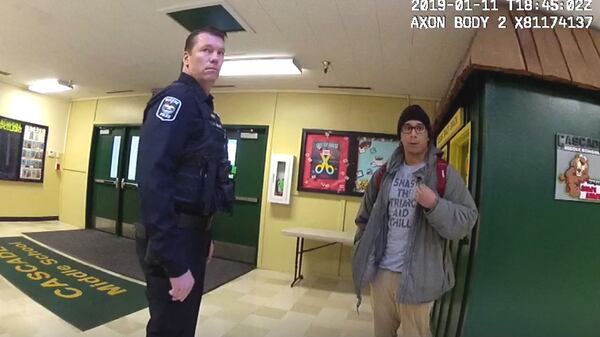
(113, 205)
(236, 236)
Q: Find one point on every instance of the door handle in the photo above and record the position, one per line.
(105, 181)
(125, 183)
(246, 199)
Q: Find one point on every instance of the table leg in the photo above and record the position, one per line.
(298, 262)
(300, 254)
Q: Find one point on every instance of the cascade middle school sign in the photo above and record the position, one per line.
(84, 296)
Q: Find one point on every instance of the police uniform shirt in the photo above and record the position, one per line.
(178, 122)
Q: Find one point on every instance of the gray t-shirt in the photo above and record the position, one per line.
(401, 212)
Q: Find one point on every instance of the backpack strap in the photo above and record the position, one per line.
(441, 169)
(379, 174)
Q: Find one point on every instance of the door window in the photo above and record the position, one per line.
(133, 155)
(114, 162)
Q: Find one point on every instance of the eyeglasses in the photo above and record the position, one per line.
(407, 129)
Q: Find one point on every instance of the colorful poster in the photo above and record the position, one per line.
(373, 152)
(577, 168)
(325, 162)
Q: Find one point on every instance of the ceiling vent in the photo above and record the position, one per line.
(216, 16)
(343, 87)
(119, 91)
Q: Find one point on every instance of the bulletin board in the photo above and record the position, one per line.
(22, 150)
(341, 162)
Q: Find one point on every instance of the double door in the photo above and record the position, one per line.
(113, 199)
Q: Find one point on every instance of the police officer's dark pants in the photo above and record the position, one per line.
(170, 318)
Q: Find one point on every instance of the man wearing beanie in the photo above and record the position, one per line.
(403, 224)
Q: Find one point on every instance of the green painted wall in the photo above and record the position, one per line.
(536, 269)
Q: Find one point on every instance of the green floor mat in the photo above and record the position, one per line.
(84, 296)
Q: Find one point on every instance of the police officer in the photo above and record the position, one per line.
(183, 176)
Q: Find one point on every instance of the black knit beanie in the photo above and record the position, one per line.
(416, 113)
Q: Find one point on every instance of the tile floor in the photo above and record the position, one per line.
(258, 304)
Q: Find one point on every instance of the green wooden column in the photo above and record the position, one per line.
(536, 269)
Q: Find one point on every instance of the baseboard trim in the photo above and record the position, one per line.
(28, 218)
(235, 252)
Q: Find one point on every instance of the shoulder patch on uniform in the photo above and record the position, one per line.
(168, 109)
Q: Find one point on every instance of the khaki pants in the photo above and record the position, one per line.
(412, 319)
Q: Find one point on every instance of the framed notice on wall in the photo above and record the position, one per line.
(22, 150)
(342, 162)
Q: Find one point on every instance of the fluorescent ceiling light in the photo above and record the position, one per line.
(260, 66)
(50, 86)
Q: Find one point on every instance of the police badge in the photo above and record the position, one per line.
(168, 109)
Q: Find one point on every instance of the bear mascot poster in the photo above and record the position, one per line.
(578, 168)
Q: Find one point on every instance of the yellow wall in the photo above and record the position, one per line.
(121, 110)
(21, 199)
(75, 163)
(286, 114)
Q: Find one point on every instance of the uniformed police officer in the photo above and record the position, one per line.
(183, 176)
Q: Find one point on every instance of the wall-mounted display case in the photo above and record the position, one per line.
(280, 178)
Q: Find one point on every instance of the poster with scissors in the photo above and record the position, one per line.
(324, 162)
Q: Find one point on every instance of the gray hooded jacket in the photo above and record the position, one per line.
(429, 270)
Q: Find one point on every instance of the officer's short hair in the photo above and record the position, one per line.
(189, 42)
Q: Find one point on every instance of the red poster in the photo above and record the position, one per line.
(325, 166)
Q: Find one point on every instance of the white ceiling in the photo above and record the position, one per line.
(108, 45)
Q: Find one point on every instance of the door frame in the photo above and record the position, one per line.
(90, 176)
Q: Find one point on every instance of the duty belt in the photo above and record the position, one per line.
(195, 221)
(185, 221)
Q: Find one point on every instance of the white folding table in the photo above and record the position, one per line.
(330, 236)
